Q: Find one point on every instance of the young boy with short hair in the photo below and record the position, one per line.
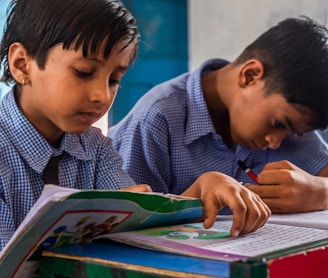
(66, 59)
(260, 109)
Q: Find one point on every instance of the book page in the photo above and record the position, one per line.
(216, 243)
(315, 219)
(50, 193)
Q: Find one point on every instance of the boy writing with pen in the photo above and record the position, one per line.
(260, 109)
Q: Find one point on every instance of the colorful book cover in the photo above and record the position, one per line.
(63, 216)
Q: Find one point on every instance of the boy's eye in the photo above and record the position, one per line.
(83, 74)
(114, 82)
(278, 124)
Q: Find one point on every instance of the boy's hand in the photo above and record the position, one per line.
(138, 188)
(217, 189)
(286, 188)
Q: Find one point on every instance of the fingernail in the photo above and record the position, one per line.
(236, 233)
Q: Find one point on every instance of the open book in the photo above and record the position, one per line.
(65, 216)
(283, 234)
(149, 220)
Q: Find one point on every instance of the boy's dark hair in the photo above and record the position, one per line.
(295, 58)
(40, 25)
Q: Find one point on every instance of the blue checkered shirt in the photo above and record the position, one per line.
(168, 139)
(88, 162)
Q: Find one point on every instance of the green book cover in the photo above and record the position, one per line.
(64, 216)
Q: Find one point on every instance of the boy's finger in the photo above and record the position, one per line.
(239, 212)
(210, 212)
(138, 188)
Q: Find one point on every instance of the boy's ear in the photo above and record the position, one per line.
(18, 59)
(250, 72)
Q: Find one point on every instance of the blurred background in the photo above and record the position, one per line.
(178, 35)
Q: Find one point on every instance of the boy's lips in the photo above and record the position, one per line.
(91, 117)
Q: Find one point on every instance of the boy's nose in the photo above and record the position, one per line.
(101, 95)
(274, 139)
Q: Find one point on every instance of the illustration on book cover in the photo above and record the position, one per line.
(76, 227)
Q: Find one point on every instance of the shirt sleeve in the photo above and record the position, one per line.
(144, 147)
(109, 172)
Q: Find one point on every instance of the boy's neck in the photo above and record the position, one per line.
(215, 104)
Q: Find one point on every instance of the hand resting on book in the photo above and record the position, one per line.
(217, 190)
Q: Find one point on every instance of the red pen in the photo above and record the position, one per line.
(247, 170)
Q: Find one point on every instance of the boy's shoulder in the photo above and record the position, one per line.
(163, 100)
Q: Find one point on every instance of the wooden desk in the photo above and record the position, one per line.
(107, 259)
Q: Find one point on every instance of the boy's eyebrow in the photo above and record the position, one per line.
(119, 67)
(122, 68)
